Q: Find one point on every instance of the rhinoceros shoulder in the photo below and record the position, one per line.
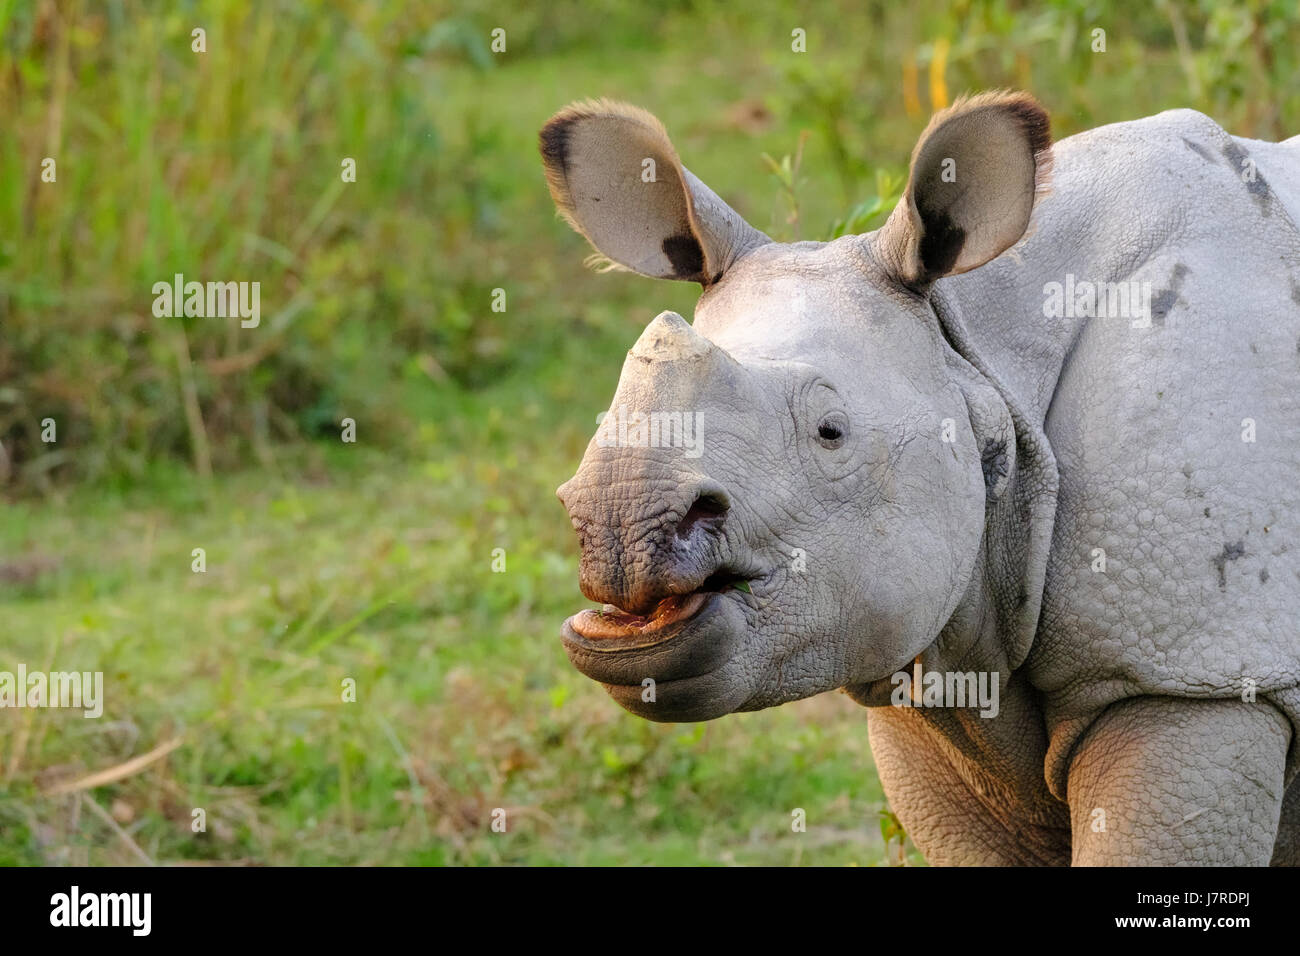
(1175, 563)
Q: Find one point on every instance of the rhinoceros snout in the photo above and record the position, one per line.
(645, 540)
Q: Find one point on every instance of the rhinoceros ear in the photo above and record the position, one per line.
(616, 178)
(977, 172)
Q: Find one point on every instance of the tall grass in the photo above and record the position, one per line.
(225, 165)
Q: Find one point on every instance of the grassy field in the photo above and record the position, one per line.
(357, 568)
(372, 561)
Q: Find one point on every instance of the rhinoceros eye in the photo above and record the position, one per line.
(832, 430)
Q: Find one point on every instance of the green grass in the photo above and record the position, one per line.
(465, 702)
(372, 561)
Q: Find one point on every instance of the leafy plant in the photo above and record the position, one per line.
(890, 830)
(872, 211)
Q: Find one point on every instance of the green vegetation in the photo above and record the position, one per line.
(372, 561)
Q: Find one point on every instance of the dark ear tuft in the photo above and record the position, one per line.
(553, 142)
(1033, 120)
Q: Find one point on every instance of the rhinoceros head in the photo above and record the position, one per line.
(789, 496)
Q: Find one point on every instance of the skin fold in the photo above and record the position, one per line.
(921, 450)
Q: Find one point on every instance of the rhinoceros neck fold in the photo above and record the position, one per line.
(1019, 523)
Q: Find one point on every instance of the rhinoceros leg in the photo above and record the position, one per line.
(1163, 781)
(1286, 850)
(955, 820)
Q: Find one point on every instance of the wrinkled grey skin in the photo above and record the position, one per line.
(1126, 732)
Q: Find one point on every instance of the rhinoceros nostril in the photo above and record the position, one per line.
(710, 508)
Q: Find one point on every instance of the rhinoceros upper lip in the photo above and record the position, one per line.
(613, 623)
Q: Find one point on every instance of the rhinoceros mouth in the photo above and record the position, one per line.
(613, 629)
(618, 628)
(677, 665)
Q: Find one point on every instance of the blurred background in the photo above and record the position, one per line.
(373, 560)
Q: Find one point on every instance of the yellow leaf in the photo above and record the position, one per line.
(938, 88)
(911, 101)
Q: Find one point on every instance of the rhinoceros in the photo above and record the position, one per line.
(1019, 472)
